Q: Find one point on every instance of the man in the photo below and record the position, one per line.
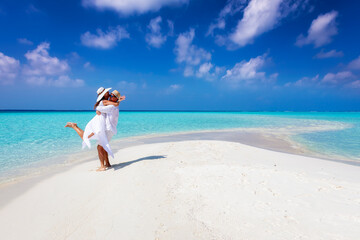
(111, 119)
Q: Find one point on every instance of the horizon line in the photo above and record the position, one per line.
(154, 110)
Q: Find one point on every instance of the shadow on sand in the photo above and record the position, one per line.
(124, 164)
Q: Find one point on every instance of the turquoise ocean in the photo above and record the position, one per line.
(30, 138)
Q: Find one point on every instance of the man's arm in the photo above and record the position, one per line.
(105, 109)
(107, 102)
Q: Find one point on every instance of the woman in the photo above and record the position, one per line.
(96, 129)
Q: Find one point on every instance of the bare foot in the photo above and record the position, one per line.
(108, 165)
(70, 124)
(100, 169)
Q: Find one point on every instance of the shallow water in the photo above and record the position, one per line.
(29, 138)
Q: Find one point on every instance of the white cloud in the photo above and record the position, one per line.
(188, 71)
(246, 72)
(329, 54)
(61, 81)
(9, 68)
(35, 80)
(188, 53)
(127, 7)
(204, 70)
(208, 71)
(173, 88)
(337, 78)
(305, 81)
(126, 86)
(259, 16)
(354, 84)
(355, 64)
(25, 41)
(65, 81)
(196, 60)
(232, 7)
(43, 70)
(88, 66)
(104, 40)
(155, 37)
(73, 56)
(171, 27)
(321, 31)
(41, 63)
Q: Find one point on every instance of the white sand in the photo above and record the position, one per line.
(191, 190)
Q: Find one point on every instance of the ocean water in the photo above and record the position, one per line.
(29, 138)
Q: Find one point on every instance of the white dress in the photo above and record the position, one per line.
(98, 127)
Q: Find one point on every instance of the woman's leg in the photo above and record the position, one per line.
(78, 130)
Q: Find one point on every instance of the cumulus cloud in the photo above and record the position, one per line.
(104, 40)
(65, 81)
(61, 81)
(127, 7)
(246, 72)
(9, 68)
(126, 86)
(337, 78)
(42, 69)
(354, 84)
(232, 7)
(173, 88)
(196, 60)
(188, 71)
(355, 64)
(188, 53)
(24, 41)
(305, 81)
(171, 27)
(204, 70)
(321, 31)
(329, 54)
(41, 63)
(259, 16)
(344, 78)
(155, 38)
(88, 66)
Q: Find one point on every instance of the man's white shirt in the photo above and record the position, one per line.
(111, 117)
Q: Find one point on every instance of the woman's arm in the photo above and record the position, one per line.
(122, 98)
(107, 102)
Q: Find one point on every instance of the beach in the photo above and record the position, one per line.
(191, 189)
(223, 120)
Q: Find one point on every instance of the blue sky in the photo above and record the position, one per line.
(248, 55)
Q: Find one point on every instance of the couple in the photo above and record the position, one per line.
(103, 126)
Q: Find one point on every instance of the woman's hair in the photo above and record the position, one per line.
(97, 103)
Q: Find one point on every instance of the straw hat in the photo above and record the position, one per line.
(117, 94)
(101, 92)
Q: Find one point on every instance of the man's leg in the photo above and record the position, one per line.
(107, 163)
(109, 136)
(101, 158)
